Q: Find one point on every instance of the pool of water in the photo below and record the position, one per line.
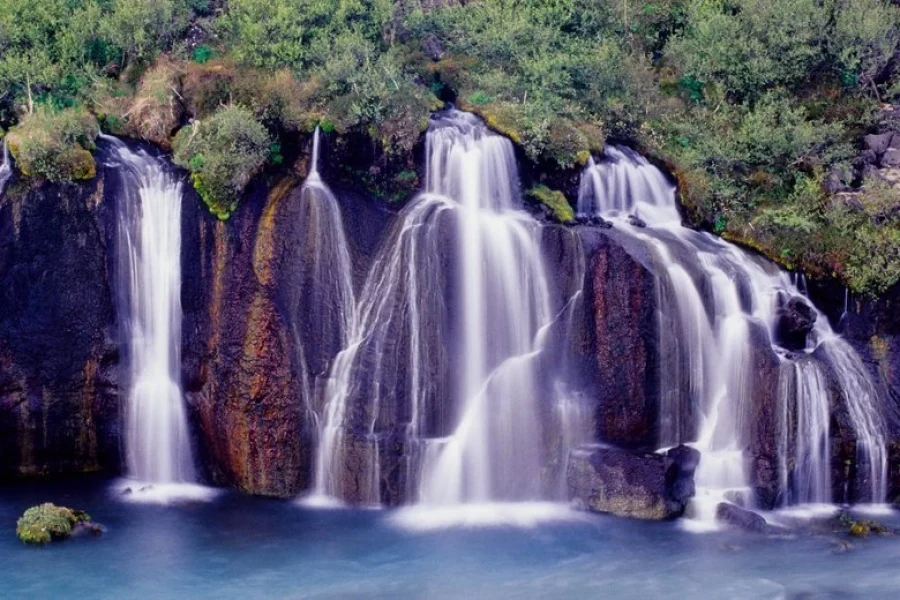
(232, 546)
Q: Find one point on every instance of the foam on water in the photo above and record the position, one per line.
(482, 515)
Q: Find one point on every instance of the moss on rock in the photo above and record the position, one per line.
(46, 522)
(55, 144)
(555, 201)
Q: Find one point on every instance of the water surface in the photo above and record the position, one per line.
(240, 547)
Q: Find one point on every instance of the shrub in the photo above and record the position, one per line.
(55, 144)
(223, 153)
(43, 523)
(156, 109)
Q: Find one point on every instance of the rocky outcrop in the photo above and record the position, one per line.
(626, 483)
(795, 319)
(241, 369)
(763, 422)
(741, 518)
(623, 301)
(59, 406)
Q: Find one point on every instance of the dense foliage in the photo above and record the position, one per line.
(754, 104)
(223, 153)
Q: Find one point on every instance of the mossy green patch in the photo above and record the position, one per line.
(45, 522)
(554, 200)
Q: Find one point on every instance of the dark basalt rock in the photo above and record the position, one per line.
(636, 221)
(623, 314)
(794, 322)
(59, 406)
(593, 221)
(642, 485)
(762, 420)
(742, 518)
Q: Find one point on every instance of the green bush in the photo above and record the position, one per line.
(55, 144)
(46, 522)
(223, 153)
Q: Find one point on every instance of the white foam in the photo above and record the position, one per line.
(882, 510)
(131, 490)
(320, 501)
(468, 516)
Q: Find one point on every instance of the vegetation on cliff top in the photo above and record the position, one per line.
(756, 105)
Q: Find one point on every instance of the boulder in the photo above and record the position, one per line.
(636, 221)
(794, 322)
(741, 518)
(47, 522)
(763, 431)
(641, 485)
(623, 313)
(878, 142)
(891, 158)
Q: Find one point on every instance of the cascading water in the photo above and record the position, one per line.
(5, 167)
(443, 360)
(719, 296)
(493, 453)
(158, 447)
(330, 305)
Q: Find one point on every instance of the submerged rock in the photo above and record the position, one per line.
(640, 485)
(741, 518)
(47, 522)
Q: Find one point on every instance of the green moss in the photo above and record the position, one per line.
(46, 522)
(555, 200)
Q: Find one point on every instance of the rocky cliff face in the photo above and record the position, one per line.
(59, 404)
(255, 356)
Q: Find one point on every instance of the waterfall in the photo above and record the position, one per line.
(718, 295)
(443, 360)
(157, 443)
(5, 167)
(494, 451)
(330, 309)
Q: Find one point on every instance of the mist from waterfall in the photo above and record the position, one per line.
(718, 296)
(157, 444)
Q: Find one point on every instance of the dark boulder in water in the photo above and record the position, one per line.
(795, 320)
(636, 221)
(741, 518)
(641, 485)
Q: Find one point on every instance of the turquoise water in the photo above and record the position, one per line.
(240, 547)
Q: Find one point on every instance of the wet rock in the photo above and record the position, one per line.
(593, 221)
(48, 522)
(891, 158)
(794, 322)
(878, 143)
(241, 370)
(640, 485)
(741, 518)
(636, 221)
(59, 363)
(623, 312)
(762, 433)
